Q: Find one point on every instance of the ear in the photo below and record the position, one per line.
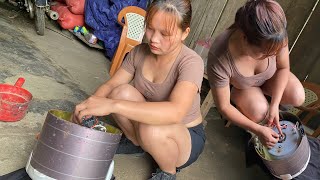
(242, 36)
(185, 34)
(245, 38)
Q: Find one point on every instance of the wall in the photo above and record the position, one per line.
(211, 17)
(305, 55)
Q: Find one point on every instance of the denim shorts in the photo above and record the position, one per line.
(198, 139)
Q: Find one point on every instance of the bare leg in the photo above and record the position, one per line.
(169, 145)
(250, 102)
(126, 92)
(293, 93)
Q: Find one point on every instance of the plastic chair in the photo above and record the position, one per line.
(311, 106)
(132, 34)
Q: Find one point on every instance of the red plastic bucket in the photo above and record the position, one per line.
(14, 101)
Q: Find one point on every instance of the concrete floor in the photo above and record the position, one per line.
(60, 72)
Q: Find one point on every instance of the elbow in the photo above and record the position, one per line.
(176, 118)
(223, 109)
(175, 113)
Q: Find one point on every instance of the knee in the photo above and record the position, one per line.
(298, 97)
(124, 92)
(258, 111)
(294, 93)
(149, 134)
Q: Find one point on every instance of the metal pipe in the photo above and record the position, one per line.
(304, 25)
(53, 15)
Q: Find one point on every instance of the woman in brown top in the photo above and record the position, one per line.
(161, 111)
(252, 56)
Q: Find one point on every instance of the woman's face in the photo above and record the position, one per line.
(161, 39)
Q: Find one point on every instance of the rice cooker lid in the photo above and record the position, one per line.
(289, 142)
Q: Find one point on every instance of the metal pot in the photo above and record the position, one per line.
(69, 151)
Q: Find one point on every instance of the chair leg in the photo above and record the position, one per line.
(205, 107)
(207, 104)
(228, 124)
(316, 133)
(122, 55)
(116, 61)
(308, 117)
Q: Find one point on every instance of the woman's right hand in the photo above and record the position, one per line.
(93, 106)
(267, 136)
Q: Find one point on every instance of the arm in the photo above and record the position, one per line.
(219, 73)
(280, 80)
(168, 111)
(221, 97)
(155, 113)
(281, 76)
(120, 77)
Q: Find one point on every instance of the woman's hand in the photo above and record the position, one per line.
(273, 117)
(93, 106)
(267, 136)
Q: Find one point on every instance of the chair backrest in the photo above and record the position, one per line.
(311, 107)
(135, 26)
(131, 18)
(311, 94)
(134, 20)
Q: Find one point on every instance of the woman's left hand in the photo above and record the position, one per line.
(273, 117)
(93, 106)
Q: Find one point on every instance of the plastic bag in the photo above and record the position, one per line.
(67, 20)
(61, 1)
(76, 6)
(202, 48)
(58, 5)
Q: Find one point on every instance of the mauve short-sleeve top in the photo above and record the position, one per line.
(222, 70)
(188, 66)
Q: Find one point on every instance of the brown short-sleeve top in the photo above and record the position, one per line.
(188, 66)
(222, 70)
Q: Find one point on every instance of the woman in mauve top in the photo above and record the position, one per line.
(160, 111)
(250, 60)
